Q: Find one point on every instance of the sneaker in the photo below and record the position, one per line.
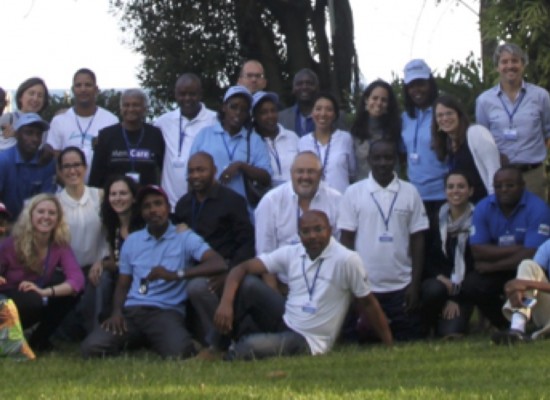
(509, 337)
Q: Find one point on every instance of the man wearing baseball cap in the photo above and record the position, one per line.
(149, 301)
(21, 174)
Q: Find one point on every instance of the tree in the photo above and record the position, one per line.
(212, 38)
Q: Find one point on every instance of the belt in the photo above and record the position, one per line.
(527, 167)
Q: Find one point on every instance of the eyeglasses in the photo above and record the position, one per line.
(69, 166)
(251, 75)
(446, 114)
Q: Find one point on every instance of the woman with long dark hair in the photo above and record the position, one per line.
(377, 118)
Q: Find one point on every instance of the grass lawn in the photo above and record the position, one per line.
(469, 369)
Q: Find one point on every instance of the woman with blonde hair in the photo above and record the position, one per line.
(38, 269)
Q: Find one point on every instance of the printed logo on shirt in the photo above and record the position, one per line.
(544, 229)
(140, 154)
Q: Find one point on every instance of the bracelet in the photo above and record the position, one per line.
(53, 291)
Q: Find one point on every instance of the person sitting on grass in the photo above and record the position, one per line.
(149, 299)
(507, 227)
(323, 277)
(528, 299)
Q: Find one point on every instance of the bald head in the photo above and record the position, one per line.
(203, 157)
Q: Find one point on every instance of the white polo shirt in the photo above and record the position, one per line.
(174, 170)
(68, 129)
(385, 252)
(337, 157)
(316, 306)
(282, 152)
(278, 212)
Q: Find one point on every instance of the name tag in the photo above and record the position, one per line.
(386, 237)
(133, 175)
(309, 308)
(414, 158)
(506, 240)
(511, 134)
(178, 164)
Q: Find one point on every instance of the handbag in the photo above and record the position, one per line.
(253, 189)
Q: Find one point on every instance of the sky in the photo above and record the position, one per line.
(52, 39)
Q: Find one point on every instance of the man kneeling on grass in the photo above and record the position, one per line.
(528, 299)
(149, 299)
(322, 277)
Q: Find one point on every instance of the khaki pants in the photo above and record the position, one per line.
(540, 313)
(535, 182)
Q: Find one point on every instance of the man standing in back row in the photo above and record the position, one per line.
(179, 128)
(80, 125)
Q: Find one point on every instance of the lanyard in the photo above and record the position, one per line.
(195, 213)
(273, 150)
(42, 280)
(384, 218)
(230, 154)
(311, 289)
(182, 136)
(327, 152)
(418, 123)
(85, 132)
(129, 148)
(511, 114)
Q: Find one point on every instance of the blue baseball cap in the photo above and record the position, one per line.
(260, 95)
(30, 119)
(237, 90)
(416, 69)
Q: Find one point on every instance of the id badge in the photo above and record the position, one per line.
(511, 134)
(133, 175)
(386, 237)
(309, 308)
(415, 158)
(178, 164)
(506, 240)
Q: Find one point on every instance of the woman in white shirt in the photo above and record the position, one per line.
(81, 206)
(334, 147)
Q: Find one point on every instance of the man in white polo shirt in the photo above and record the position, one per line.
(323, 278)
(179, 128)
(383, 218)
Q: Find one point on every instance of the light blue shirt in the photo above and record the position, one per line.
(142, 251)
(542, 257)
(425, 171)
(530, 121)
(226, 149)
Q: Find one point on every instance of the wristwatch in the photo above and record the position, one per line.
(180, 273)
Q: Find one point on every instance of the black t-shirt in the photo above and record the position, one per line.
(121, 152)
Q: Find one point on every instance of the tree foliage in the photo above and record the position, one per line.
(213, 37)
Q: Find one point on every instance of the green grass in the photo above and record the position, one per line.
(470, 369)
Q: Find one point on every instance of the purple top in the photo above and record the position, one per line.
(15, 272)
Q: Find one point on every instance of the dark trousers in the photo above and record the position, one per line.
(164, 330)
(434, 297)
(486, 291)
(32, 310)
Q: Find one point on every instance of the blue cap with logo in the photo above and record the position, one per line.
(237, 90)
(260, 95)
(30, 119)
(416, 69)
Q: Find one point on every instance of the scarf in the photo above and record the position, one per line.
(461, 228)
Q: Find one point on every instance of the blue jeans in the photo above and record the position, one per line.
(266, 308)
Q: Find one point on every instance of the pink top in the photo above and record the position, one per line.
(60, 256)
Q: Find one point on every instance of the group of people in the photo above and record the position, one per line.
(257, 231)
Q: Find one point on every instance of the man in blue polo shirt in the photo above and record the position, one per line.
(149, 300)
(507, 227)
(21, 173)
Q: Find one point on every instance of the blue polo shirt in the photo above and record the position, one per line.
(20, 179)
(142, 251)
(226, 149)
(528, 225)
(425, 171)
